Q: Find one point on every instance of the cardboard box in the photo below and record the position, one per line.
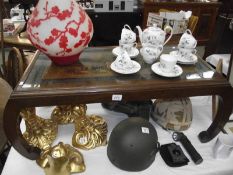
(154, 18)
(173, 19)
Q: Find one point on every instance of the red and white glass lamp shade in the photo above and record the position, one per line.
(61, 29)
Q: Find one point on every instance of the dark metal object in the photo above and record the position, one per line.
(173, 155)
(27, 12)
(195, 156)
(132, 109)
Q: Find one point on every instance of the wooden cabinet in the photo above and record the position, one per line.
(205, 10)
(108, 26)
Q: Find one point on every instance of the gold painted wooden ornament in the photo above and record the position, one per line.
(66, 114)
(39, 132)
(61, 159)
(90, 132)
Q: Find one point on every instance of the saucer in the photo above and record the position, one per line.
(136, 67)
(175, 73)
(134, 52)
(183, 60)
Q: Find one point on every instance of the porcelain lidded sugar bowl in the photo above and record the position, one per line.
(150, 54)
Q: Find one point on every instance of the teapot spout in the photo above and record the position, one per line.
(139, 33)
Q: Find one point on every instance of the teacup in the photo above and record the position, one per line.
(127, 46)
(123, 61)
(223, 146)
(127, 35)
(167, 63)
(150, 54)
(187, 40)
(186, 52)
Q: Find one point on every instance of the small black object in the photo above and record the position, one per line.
(132, 109)
(26, 13)
(173, 155)
(133, 144)
(195, 156)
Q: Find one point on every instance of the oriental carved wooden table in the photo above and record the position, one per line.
(91, 80)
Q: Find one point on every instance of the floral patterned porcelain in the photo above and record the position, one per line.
(132, 54)
(124, 65)
(60, 29)
(154, 35)
(150, 54)
(187, 40)
(156, 68)
(153, 39)
(127, 35)
(136, 67)
(192, 59)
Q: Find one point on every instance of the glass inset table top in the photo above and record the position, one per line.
(93, 70)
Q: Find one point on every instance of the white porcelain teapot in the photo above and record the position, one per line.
(154, 35)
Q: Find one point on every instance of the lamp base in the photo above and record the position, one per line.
(66, 60)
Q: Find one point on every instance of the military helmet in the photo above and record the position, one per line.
(173, 114)
(133, 144)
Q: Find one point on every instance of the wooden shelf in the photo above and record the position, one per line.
(206, 11)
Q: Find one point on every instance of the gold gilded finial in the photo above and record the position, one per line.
(62, 159)
(66, 114)
(39, 132)
(90, 132)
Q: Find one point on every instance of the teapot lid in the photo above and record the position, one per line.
(154, 27)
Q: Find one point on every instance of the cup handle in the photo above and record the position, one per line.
(231, 149)
(194, 51)
(127, 26)
(195, 44)
(161, 49)
(188, 31)
(169, 28)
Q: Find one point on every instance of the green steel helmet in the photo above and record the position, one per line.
(133, 144)
(173, 114)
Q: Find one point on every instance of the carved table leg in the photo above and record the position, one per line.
(13, 132)
(222, 116)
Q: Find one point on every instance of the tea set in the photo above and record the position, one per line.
(127, 43)
(124, 65)
(152, 41)
(186, 49)
(167, 66)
